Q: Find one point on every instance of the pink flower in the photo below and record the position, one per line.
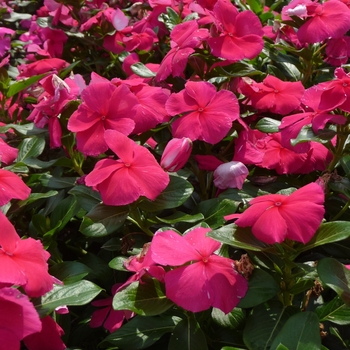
(136, 173)
(206, 279)
(176, 154)
(338, 51)
(273, 94)
(237, 35)
(207, 114)
(18, 318)
(105, 107)
(12, 187)
(23, 261)
(276, 217)
(42, 66)
(106, 316)
(48, 338)
(330, 19)
(184, 38)
(335, 92)
(230, 175)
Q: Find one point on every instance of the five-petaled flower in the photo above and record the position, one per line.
(276, 217)
(136, 173)
(204, 279)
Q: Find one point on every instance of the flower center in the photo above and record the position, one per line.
(345, 84)
(103, 117)
(200, 109)
(230, 34)
(127, 165)
(278, 204)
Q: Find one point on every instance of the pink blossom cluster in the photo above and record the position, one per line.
(23, 264)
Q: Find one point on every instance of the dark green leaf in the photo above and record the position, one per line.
(268, 125)
(117, 263)
(30, 148)
(232, 320)
(264, 323)
(336, 276)
(300, 332)
(25, 129)
(261, 287)
(187, 335)
(57, 183)
(23, 84)
(86, 196)
(176, 193)
(306, 134)
(35, 196)
(146, 299)
(77, 293)
(345, 163)
(103, 220)
(142, 71)
(214, 211)
(328, 233)
(334, 311)
(62, 214)
(69, 271)
(141, 332)
(238, 237)
(181, 217)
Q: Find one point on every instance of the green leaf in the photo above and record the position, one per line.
(264, 323)
(141, 332)
(57, 183)
(345, 163)
(26, 129)
(261, 287)
(118, 263)
(239, 69)
(238, 237)
(336, 276)
(74, 294)
(187, 335)
(62, 214)
(255, 5)
(176, 193)
(300, 332)
(36, 196)
(181, 217)
(215, 209)
(103, 220)
(39, 164)
(30, 148)
(69, 271)
(86, 196)
(146, 299)
(268, 125)
(341, 186)
(306, 134)
(23, 84)
(232, 320)
(327, 233)
(142, 71)
(334, 311)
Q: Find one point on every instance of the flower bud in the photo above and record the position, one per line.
(230, 175)
(176, 154)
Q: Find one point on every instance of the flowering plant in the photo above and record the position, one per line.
(174, 174)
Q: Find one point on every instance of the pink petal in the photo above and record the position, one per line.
(31, 258)
(103, 169)
(18, 315)
(271, 227)
(303, 219)
(169, 248)
(309, 193)
(91, 142)
(189, 288)
(227, 285)
(201, 92)
(198, 239)
(12, 186)
(119, 189)
(83, 119)
(180, 103)
(99, 316)
(48, 338)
